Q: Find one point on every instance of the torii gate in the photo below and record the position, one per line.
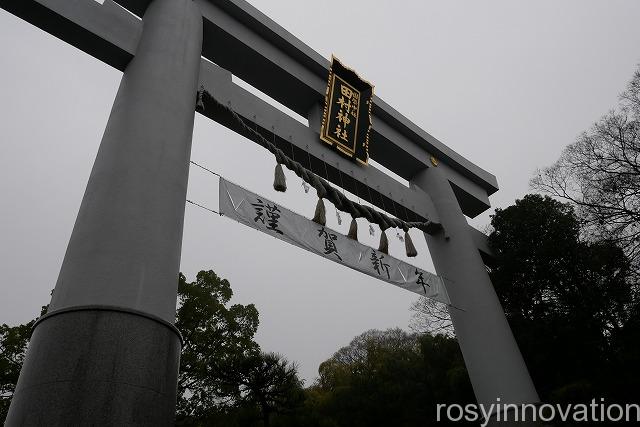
(107, 351)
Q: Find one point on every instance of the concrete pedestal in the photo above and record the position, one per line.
(98, 367)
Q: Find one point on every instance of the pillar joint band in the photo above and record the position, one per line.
(157, 319)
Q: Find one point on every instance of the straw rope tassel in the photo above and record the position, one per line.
(384, 243)
(408, 245)
(320, 215)
(279, 181)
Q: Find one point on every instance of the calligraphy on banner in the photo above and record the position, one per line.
(346, 120)
(264, 215)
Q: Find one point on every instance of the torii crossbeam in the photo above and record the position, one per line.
(107, 351)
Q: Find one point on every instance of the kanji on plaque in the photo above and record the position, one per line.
(346, 121)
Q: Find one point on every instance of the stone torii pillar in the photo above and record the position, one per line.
(107, 351)
(492, 357)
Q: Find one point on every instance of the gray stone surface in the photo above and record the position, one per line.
(494, 362)
(247, 43)
(125, 246)
(112, 367)
(100, 368)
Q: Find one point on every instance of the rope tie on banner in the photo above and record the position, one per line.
(323, 188)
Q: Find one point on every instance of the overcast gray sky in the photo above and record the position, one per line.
(505, 83)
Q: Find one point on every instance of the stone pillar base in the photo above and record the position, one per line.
(98, 366)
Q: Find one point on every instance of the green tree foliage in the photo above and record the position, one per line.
(600, 175)
(268, 382)
(388, 378)
(568, 302)
(224, 378)
(216, 336)
(13, 347)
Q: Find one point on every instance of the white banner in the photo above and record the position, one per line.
(260, 213)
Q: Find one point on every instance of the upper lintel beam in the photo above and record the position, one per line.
(301, 143)
(104, 31)
(268, 57)
(241, 39)
(78, 20)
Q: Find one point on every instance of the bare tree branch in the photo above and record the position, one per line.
(430, 316)
(600, 174)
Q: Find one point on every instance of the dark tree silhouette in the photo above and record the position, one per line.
(388, 378)
(13, 346)
(600, 175)
(566, 300)
(214, 335)
(266, 381)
